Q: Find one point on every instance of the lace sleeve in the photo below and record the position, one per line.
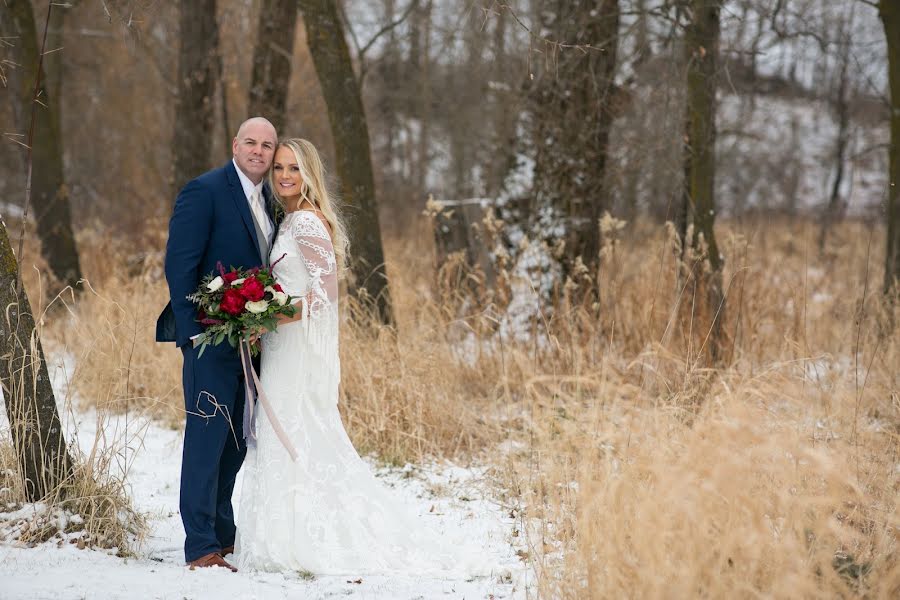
(314, 243)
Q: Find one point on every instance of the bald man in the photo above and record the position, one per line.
(225, 215)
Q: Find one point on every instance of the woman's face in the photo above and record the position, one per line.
(286, 173)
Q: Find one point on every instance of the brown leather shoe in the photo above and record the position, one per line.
(227, 550)
(213, 559)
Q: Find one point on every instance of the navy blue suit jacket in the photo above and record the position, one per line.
(211, 223)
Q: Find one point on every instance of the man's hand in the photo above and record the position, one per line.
(254, 337)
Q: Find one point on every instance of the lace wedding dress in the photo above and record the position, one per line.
(325, 513)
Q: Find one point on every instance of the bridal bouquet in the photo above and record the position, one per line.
(235, 304)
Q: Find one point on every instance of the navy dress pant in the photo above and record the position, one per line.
(214, 447)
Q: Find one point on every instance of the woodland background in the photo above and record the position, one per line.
(640, 254)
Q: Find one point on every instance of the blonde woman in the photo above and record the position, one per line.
(324, 512)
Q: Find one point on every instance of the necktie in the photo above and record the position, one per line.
(259, 214)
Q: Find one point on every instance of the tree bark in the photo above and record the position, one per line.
(198, 73)
(841, 105)
(272, 60)
(388, 70)
(331, 57)
(573, 108)
(44, 461)
(420, 58)
(702, 46)
(890, 16)
(643, 49)
(463, 148)
(504, 112)
(49, 193)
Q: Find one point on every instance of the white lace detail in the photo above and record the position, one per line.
(325, 513)
(308, 271)
(317, 252)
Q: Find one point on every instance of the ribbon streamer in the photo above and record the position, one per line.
(255, 392)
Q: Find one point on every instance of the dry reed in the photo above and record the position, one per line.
(636, 468)
(91, 506)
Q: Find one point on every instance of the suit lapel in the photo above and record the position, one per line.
(241, 204)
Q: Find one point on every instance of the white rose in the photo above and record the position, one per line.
(215, 284)
(280, 297)
(257, 307)
(238, 281)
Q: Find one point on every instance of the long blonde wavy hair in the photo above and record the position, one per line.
(314, 188)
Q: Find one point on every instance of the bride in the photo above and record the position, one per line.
(324, 513)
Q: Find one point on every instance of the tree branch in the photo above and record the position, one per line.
(386, 29)
(343, 14)
(361, 50)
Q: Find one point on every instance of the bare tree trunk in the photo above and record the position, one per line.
(44, 460)
(683, 209)
(331, 57)
(643, 49)
(53, 62)
(420, 59)
(504, 114)
(49, 194)
(890, 16)
(198, 73)
(573, 108)
(227, 131)
(389, 71)
(791, 179)
(841, 106)
(702, 46)
(272, 60)
(463, 148)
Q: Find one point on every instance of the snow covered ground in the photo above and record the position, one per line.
(445, 496)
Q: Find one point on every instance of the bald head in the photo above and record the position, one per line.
(254, 146)
(261, 122)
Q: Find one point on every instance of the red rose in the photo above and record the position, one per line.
(229, 277)
(277, 288)
(232, 302)
(252, 289)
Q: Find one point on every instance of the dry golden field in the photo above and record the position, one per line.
(635, 468)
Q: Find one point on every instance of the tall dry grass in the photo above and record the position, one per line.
(635, 467)
(90, 506)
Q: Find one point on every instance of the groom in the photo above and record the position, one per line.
(222, 216)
